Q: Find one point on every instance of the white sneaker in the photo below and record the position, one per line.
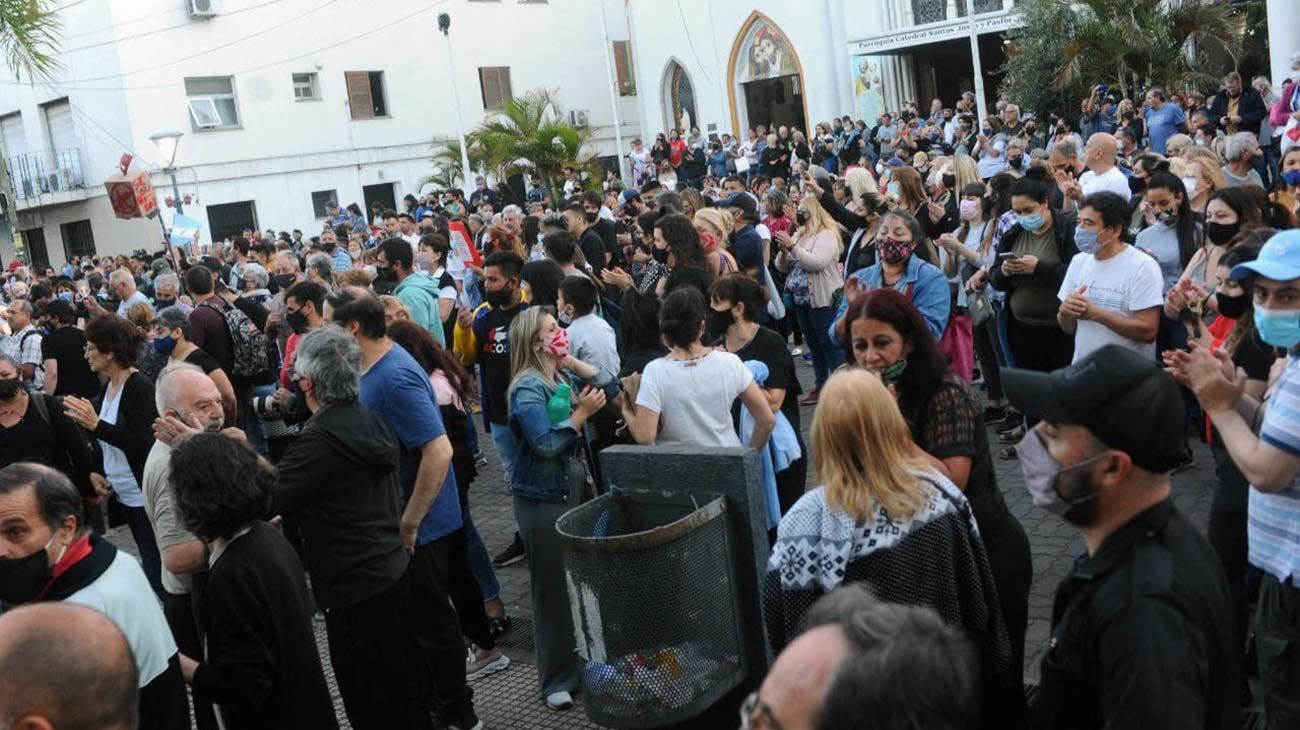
(559, 701)
(483, 663)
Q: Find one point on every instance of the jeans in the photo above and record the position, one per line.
(1277, 642)
(372, 647)
(989, 354)
(826, 354)
(150, 559)
(507, 448)
(438, 630)
(476, 554)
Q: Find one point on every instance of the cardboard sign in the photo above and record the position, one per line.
(462, 245)
(132, 195)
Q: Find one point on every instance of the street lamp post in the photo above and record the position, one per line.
(444, 25)
(166, 142)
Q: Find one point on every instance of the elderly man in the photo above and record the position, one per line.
(187, 400)
(23, 343)
(900, 665)
(65, 667)
(122, 283)
(1240, 151)
(339, 483)
(1103, 175)
(50, 555)
(166, 293)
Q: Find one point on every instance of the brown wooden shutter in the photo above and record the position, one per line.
(359, 99)
(623, 67)
(494, 81)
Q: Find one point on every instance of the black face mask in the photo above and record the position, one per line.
(801, 217)
(719, 321)
(1220, 233)
(659, 254)
(1016, 162)
(385, 274)
(591, 217)
(9, 388)
(161, 304)
(950, 181)
(1136, 184)
(23, 579)
(1232, 307)
(284, 281)
(498, 298)
(297, 321)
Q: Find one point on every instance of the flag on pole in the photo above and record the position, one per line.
(185, 230)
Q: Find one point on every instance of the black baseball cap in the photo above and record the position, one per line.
(1123, 398)
(742, 200)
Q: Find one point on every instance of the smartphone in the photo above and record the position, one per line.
(1008, 255)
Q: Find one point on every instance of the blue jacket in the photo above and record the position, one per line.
(546, 451)
(923, 283)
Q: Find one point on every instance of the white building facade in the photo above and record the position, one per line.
(287, 104)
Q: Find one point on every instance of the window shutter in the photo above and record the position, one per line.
(503, 78)
(494, 81)
(359, 99)
(623, 68)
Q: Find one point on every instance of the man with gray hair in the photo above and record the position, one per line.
(23, 343)
(320, 269)
(339, 483)
(122, 284)
(188, 401)
(166, 293)
(1240, 150)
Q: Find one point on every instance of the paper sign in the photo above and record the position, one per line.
(462, 246)
(742, 165)
(185, 230)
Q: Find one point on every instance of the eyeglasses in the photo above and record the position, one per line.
(752, 705)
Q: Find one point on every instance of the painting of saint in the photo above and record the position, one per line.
(867, 89)
(765, 54)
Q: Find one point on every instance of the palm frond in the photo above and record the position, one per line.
(28, 37)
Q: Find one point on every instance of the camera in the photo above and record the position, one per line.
(267, 408)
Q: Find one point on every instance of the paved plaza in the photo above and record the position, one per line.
(511, 699)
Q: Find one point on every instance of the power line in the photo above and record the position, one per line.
(65, 86)
(155, 31)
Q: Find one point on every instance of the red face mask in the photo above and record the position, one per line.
(557, 344)
(709, 242)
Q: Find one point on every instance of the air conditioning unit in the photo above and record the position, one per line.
(202, 8)
(580, 118)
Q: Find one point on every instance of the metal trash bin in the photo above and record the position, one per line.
(652, 585)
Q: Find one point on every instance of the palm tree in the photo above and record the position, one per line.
(27, 37)
(529, 133)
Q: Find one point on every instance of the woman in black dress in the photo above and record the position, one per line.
(887, 335)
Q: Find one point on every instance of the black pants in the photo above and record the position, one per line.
(1039, 347)
(437, 630)
(180, 613)
(1227, 534)
(373, 651)
(989, 355)
(466, 595)
(1007, 547)
(1277, 642)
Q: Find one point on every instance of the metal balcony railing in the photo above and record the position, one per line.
(43, 173)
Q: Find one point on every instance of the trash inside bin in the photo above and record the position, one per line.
(651, 581)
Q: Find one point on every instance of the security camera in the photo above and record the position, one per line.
(444, 22)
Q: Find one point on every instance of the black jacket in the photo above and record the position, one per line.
(1063, 224)
(133, 432)
(1250, 107)
(261, 666)
(1142, 634)
(338, 483)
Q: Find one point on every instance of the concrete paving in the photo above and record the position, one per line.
(511, 699)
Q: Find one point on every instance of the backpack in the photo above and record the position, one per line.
(248, 347)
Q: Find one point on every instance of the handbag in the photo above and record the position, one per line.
(980, 307)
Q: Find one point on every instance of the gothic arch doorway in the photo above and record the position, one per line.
(677, 99)
(766, 78)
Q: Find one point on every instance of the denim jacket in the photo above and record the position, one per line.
(543, 463)
(923, 283)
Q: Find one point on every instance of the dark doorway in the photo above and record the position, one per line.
(78, 240)
(381, 193)
(34, 243)
(944, 70)
(230, 220)
(775, 102)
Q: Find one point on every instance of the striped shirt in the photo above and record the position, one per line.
(1273, 522)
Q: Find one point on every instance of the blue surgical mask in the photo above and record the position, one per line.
(1086, 240)
(1030, 223)
(164, 345)
(1292, 177)
(1278, 327)
(65, 296)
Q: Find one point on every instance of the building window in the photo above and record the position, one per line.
(929, 11)
(78, 239)
(34, 243)
(366, 94)
(230, 220)
(212, 102)
(623, 67)
(319, 199)
(305, 87)
(495, 84)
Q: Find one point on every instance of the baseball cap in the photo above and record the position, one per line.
(1119, 395)
(628, 195)
(1279, 259)
(895, 162)
(742, 200)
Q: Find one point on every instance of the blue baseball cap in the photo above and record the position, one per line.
(1279, 259)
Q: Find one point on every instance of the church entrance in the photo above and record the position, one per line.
(775, 102)
(766, 76)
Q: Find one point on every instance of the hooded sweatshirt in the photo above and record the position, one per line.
(419, 292)
(338, 482)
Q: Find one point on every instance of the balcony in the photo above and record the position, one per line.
(37, 175)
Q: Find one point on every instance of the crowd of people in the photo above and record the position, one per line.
(285, 425)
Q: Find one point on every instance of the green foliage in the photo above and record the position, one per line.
(27, 37)
(529, 134)
(1068, 46)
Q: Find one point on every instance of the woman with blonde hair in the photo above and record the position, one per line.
(885, 518)
(860, 181)
(395, 310)
(548, 478)
(715, 228)
(809, 260)
(1203, 177)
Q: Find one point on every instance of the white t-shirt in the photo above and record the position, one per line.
(1112, 180)
(122, 594)
(1127, 283)
(117, 470)
(694, 397)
